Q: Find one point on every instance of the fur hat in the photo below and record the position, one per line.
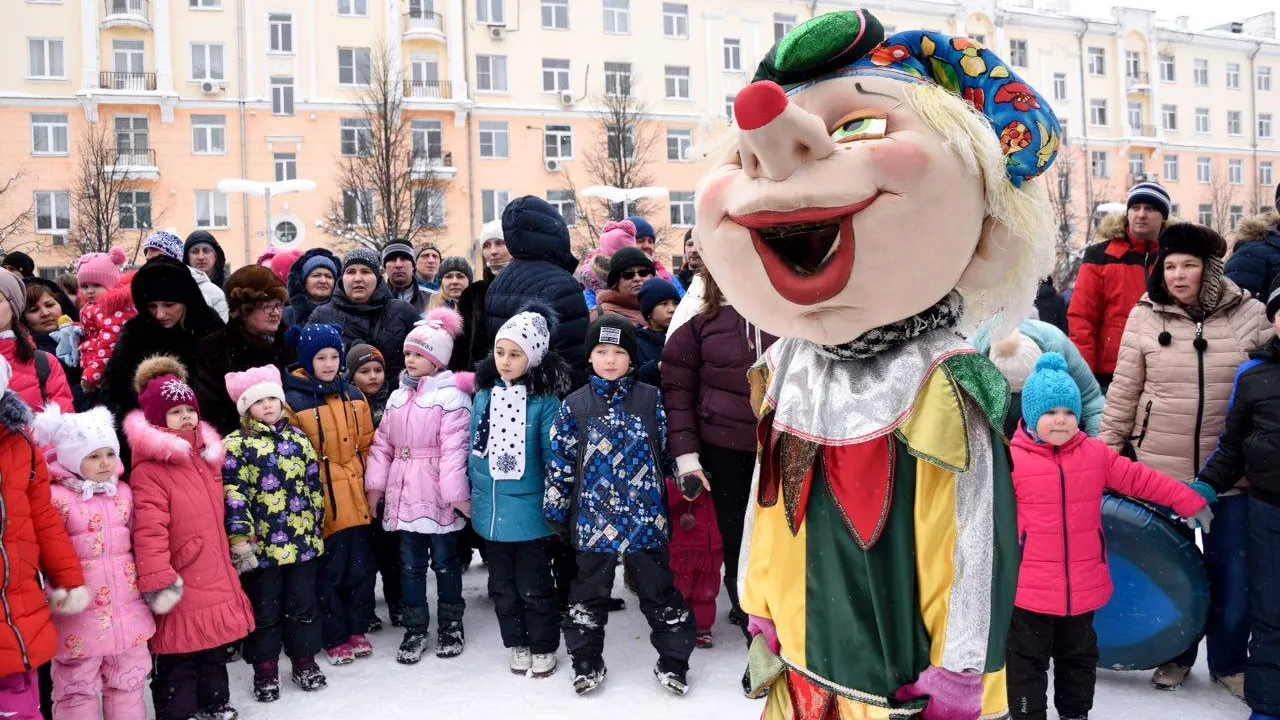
(309, 340)
(166, 242)
(433, 337)
(1048, 388)
(252, 385)
(74, 436)
(529, 330)
(250, 286)
(13, 290)
(654, 292)
(457, 264)
(362, 354)
(101, 268)
(1197, 241)
(625, 259)
(610, 329)
(161, 384)
(616, 236)
(1015, 357)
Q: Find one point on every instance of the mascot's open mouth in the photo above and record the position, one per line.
(807, 254)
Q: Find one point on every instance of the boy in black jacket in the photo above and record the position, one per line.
(658, 300)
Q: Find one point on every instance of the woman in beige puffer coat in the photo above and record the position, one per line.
(1182, 346)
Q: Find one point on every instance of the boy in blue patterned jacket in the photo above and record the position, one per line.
(606, 483)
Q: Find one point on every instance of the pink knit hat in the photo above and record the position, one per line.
(433, 338)
(616, 236)
(254, 384)
(101, 268)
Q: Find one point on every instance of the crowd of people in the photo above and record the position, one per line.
(201, 464)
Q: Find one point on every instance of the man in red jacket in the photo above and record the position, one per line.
(1113, 277)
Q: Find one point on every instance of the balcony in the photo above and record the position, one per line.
(423, 24)
(127, 13)
(127, 81)
(1142, 131)
(428, 89)
(1137, 82)
(432, 164)
(133, 164)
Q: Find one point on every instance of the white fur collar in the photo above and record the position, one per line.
(440, 389)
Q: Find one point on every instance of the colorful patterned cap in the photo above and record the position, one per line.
(1029, 130)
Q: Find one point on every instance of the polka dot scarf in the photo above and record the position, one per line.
(503, 430)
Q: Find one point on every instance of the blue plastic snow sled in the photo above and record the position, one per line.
(1161, 599)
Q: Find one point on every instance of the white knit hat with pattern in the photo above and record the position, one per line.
(529, 330)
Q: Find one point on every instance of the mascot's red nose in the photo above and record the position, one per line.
(758, 104)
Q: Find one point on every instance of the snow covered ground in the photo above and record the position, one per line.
(478, 684)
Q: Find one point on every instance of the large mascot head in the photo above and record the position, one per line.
(875, 179)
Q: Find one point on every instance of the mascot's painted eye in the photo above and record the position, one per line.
(860, 125)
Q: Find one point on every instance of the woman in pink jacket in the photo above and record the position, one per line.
(103, 650)
(1059, 475)
(418, 463)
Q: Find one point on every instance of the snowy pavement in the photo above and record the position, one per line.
(478, 684)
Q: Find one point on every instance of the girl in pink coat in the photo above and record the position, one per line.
(418, 464)
(102, 652)
(1059, 475)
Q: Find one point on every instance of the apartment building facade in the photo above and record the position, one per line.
(514, 97)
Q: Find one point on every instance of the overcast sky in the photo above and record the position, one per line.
(1203, 14)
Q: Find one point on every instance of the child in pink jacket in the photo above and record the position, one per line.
(1059, 475)
(102, 652)
(418, 463)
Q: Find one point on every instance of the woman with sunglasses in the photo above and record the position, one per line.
(629, 270)
(253, 337)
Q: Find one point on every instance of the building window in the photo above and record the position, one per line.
(280, 30)
(48, 134)
(1132, 64)
(677, 82)
(133, 209)
(358, 8)
(675, 20)
(428, 140)
(617, 17)
(209, 134)
(565, 203)
(1168, 71)
(1170, 115)
(53, 212)
(492, 203)
(1097, 112)
(355, 66)
(1134, 111)
(1175, 210)
(1205, 215)
(1234, 125)
(728, 107)
(1235, 172)
(1237, 214)
(1099, 164)
(45, 59)
(1264, 79)
(356, 137)
(286, 166)
(682, 209)
(732, 55)
(1059, 86)
(1137, 164)
(679, 142)
(1171, 168)
(429, 208)
(127, 56)
(1233, 76)
(211, 209)
(1097, 61)
(1200, 72)
(1018, 53)
(132, 133)
(206, 61)
(1265, 176)
(493, 140)
(621, 145)
(1264, 125)
(281, 96)
(491, 12)
(558, 142)
(555, 75)
(1204, 170)
(1202, 120)
(979, 38)
(357, 207)
(204, 4)
(491, 73)
(555, 14)
(617, 79)
(783, 24)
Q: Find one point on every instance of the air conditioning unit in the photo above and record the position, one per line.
(566, 98)
(554, 165)
(209, 87)
(497, 32)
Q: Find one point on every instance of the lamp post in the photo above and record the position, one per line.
(624, 196)
(264, 190)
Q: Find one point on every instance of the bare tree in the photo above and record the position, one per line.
(13, 227)
(1059, 185)
(1222, 196)
(102, 174)
(385, 179)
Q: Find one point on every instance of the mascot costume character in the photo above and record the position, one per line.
(879, 201)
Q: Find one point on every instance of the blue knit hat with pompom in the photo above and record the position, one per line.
(309, 340)
(1049, 387)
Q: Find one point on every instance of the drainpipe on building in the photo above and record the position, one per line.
(476, 258)
(1084, 130)
(244, 143)
(1253, 111)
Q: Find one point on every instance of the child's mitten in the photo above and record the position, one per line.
(69, 602)
(244, 556)
(163, 600)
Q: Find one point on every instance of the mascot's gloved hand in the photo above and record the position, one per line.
(764, 626)
(952, 695)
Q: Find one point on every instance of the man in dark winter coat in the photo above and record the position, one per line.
(312, 280)
(362, 304)
(1050, 306)
(397, 267)
(253, 337)
(202, 252)
(1255, 261)
(542, 269)
(476, 343)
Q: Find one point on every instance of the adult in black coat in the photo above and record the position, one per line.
(1255, 260)
(362, 304)
(253, 337)
(306, 293)
(1050, 305)
(541, 269)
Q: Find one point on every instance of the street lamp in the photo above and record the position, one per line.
(624, 196)
(266, 190)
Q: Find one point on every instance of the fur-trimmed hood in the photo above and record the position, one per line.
(1115, 226)
(1256, 228)
(552, 377)
(149, 442)
(15, 416)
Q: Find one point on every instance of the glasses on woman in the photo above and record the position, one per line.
(633, 274)
(273, 308)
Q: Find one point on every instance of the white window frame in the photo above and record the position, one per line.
(353, 8)
(55, 201)
(204, 4)
(47, 57)
(1205, 127)
(1133, 116)
(566, 206)
(1169, 117)
(212, 71)
(1266, 174)
(558, 75)
(1097, 61)
(282, 92)
(213, 199)
(614, 77)
(679, 140)
(784, 23)
(362, 203)
(674, 81)
(357, 134)
(1168, 68)
(428, 139)
(492, 203)
(683, 209)
(1100, 163)
(212, 131)
(494, 69)
(1233, 76)
(1171, 170)
(1018, 55)
(280, 33)
(1235, 123)
(354, 54)
(1098, 112)
(1235, 216)
(498, 139)
(1204, 170)
(1235, 171)
(732, 55)
(437, 215)
(675, 20)
(1132, 64)
(127, 204)
(557, 142)
(617, 17)
(1204, 214)
(626, 144)
(54, 127)
(1137, 164)
(557, 11)
(491, 12)
(1263, 82)
(1200, 72)
(1059, 87)
(1265, 126)
(285, 166)
(728, 108)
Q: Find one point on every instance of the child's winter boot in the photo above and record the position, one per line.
(521, 660)
(221, 712)
(395, 615)
(266, 681)
(414, 643)
(341, 655)
(588, 674)
(375, 624)
(450, 639)
(543, 665)
(360, 646)
(672, 675)
(307, 675)
(704, 640)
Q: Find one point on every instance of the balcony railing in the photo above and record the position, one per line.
(1146, 131)
(1137, 80)
(133, 157)
(423, 21)
(428, 89)
(140, 9)
(135, 81)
